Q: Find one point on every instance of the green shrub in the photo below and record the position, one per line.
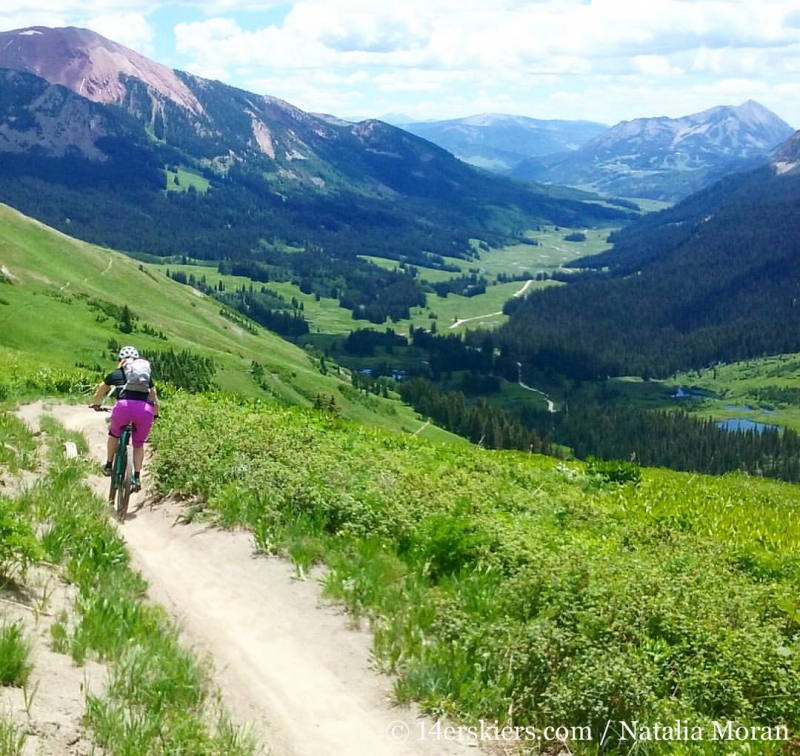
(502, 582)
(615, 470)
(18, 545)
(15, 651)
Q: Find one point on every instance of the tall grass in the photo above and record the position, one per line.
(18, 545)
(17, 448)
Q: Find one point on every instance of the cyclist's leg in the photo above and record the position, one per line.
(119, 419)
(143, 422)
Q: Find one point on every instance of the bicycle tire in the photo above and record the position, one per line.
(112, 488)
(123, 474)
(124, 491)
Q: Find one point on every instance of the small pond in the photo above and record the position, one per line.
(740, 424)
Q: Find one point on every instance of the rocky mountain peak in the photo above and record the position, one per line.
(88, 64)
(786, 157)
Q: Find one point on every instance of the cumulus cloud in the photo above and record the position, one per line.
(130, 29)
(442, 35)
(466, 53)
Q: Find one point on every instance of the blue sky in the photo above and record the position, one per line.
(600, 60)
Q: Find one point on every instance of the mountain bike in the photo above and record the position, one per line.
(119, 493)
(122, 474)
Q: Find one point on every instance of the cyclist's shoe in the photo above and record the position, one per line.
(136, 482)
(107, 469)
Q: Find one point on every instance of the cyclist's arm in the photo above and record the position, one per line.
(102, 390)
(154, 399)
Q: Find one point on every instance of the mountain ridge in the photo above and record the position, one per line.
(499, 141)
(220, 128)
(786, 156)
(666, 158)
(234, 176)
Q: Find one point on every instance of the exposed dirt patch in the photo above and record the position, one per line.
(51, 706)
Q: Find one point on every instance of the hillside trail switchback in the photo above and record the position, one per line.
(291, 666)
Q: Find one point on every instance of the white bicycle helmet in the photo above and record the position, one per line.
(128, 353)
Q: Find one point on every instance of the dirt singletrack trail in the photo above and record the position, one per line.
(288, 665)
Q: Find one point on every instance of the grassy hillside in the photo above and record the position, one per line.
(59, 303)
(507, 586)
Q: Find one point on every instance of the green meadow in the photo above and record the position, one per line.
(326, 317)
(765, 390)
(182, 179)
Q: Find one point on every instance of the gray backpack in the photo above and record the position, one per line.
(137, 375)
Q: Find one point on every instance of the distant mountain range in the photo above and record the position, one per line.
(92, 131)
(665, 158)
(500, 142)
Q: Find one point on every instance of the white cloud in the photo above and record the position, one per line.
(73, 9)
(418, 55)
(130, 29)
(541, 36)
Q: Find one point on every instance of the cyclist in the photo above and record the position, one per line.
(137, 407)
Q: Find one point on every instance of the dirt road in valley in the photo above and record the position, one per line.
(285, 662)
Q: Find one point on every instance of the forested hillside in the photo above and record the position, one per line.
(270, 169)
(716, 278)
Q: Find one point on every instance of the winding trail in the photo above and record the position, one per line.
(519, 293)
(551, 407)
(287, 663)
(479, 317)
(420, 429)
(515, 295)
(492, 314)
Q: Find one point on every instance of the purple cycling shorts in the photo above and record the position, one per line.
(132, 411)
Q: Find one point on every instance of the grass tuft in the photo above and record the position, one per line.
(12, 738)
(15, 651)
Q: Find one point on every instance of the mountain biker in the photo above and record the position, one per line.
(137, 407)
